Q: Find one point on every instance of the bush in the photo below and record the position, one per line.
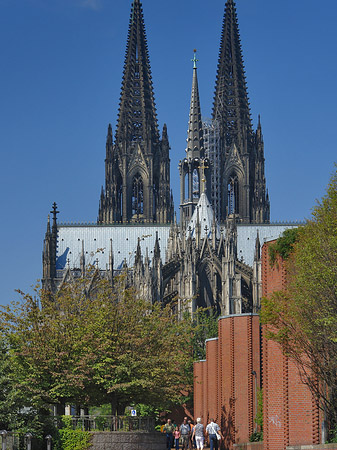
(70, 439)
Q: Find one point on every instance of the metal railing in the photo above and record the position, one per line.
(113, 423)
(9, 440)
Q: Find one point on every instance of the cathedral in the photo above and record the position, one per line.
(210, 257)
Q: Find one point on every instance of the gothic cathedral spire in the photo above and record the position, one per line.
(137, 165)
(192, 168)
(242, 186)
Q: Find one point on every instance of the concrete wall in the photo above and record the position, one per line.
(249, 446)
(313, 447)
(128, 441)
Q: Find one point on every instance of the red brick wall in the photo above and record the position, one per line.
(224, 384)
(198, 389)
(212, 378)
(291, 416)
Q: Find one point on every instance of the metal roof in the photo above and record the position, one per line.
(247, 237)
(96, 242)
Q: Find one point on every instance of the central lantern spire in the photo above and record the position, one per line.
(137, 180)
(192, 168)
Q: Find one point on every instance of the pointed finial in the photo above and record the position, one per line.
(257, 246)
(194, 60)
(54, 211)
(157, 247)
(48, 224)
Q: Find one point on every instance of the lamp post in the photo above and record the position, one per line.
(28, 437)
(49, 439)
(3, 434)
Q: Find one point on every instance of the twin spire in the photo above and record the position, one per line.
(231, 104)
(137, 118)
(137, 163)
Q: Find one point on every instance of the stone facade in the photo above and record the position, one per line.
(200, 263)
(128, 441)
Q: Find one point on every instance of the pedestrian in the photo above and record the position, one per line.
(185, 431)
(214, 434)
(190, 440)
(176, 435)
(198, 434)
(175, 426)
(168, 429)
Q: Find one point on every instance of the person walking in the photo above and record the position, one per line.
(214, 434)
(176, 435)
(190, 441)
(198, 434)
(185, 431)
(168, 429)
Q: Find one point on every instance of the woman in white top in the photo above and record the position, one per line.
(198, 434)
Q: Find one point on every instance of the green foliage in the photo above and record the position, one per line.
(19, 411)
(303, 317)
(90, 344)
(70, 439)
(283, 246)
(257, 436)
(259, 416)
(144, 410)
(204, 326)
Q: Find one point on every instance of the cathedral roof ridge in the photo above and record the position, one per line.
(72, 224)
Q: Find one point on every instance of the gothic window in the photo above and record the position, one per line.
(233, 195)
(137, 195)
(195, 181)
(186, 193)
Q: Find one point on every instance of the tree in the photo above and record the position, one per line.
(17, 410)
(205, 326)
(90, 344)
(303, 317)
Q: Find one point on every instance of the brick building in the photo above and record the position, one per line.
(291, 415)
(226, 382)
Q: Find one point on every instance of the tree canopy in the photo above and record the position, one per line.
(303, 317)
(90, 344)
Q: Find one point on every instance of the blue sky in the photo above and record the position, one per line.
(60, 73)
